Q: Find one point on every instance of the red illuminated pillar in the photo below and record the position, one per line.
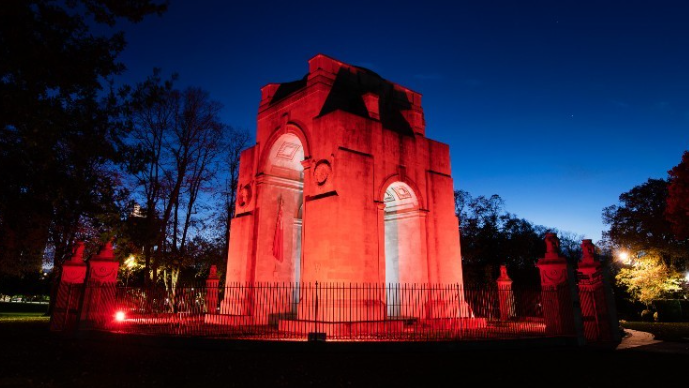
(212, 284)
(555, 290)
(505, 294)
(69, 291)
(594, 308)
(98, 307)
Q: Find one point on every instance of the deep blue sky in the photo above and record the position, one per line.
(558, 107)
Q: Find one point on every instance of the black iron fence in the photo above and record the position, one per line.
(301, 311)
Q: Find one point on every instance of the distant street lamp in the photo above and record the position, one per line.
(130, 263)
(624, 257)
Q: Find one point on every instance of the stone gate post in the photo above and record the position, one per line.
(66, 309)
(505, 295)
(555, 290)
(98, 306)
(212, 283)
(594, 308)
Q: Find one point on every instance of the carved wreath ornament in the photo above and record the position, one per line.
(322, 171)
(244, 195)
(104, 273)
(553, 277)
(74, 275)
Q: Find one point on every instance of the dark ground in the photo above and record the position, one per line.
(30, 356)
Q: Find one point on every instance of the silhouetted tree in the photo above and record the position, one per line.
(60, 126)
(491, 236)
(151, 113)
(638, 223)
(570, 246)
(677, 210)
(237, 141)
(180, 141)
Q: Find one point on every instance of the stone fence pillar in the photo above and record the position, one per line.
(505, 295)
(98, 307)
(555, 290)
(594, 309)
(212, 284)
(69, 291)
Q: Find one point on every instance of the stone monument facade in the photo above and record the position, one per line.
(343, 186)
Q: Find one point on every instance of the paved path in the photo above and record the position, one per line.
(642, 341)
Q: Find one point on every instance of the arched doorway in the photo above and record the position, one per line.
(283, 195)
(405, 262)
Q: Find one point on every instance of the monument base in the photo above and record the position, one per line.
(228, 320)
(342, 310)
(448, 309)
(345, 329)
(454, 324)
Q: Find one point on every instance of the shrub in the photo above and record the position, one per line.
(671, 310)
(647, 315)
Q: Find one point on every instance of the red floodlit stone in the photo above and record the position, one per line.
(343, 186)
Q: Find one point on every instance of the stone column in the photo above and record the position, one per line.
(505, 295)
(212, 283)
(555, 293)
(66, 309)
(594, 308)
(98, 307)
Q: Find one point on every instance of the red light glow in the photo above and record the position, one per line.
(119, 316)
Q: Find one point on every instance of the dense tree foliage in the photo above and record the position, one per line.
(677, 210)
(648, 278)
(654, 259)
(60, 123)
(638, 224)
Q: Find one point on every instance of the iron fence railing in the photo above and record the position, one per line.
(299, 311)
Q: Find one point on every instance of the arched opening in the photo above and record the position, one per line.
(284, 193)
(285, 157)
(404, 246)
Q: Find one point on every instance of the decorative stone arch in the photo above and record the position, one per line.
(283, 160)
(290, 127)
(380, 195)
(400, 197)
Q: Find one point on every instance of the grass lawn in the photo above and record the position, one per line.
(23, 317)
(666, 331)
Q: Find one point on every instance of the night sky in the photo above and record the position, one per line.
(558, 107)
